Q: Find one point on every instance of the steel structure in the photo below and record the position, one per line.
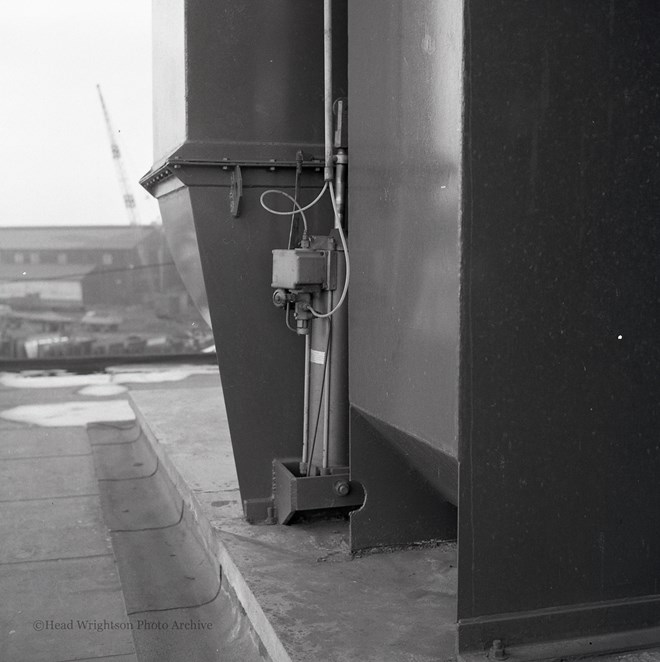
(503, 170)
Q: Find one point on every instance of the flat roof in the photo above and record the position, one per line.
(44, 316)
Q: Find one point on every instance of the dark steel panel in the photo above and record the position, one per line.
(559, 463)
(251, 74)
(404, 174)
(400, 477)
(585, 630)
(404, 139)
(245, 82)
(260, 360)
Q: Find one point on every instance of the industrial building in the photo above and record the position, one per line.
(77, 267)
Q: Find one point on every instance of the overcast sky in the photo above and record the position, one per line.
(56, 166)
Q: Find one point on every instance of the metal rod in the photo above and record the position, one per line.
(326, 394)
(327, 85)
(305, 448)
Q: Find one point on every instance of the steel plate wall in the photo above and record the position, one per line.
(405, 63)
(405, 136)
(560, 499)
(263, 60)
(239, 84)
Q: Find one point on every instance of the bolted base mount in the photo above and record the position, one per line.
(293, 492)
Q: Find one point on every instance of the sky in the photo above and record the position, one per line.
(56, 166)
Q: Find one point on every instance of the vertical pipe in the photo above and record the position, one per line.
(327, 86)
(328, 175)
(305, 449)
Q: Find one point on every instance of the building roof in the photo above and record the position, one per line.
(41, 316)
(81, 237)
(30, 272)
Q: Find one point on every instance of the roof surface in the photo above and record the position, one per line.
(82, 237)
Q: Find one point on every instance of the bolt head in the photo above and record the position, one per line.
(342, 487)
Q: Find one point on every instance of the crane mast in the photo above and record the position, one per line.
(129, 198)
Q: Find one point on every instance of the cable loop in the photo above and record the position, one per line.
(299, 210)
(342, 236)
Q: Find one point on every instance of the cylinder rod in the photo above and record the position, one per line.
(305, 448)
(326, 394)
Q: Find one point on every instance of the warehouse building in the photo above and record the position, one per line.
(75, 267)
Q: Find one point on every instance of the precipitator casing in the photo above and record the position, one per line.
(504, 179)
(232, 112)
(505, 191)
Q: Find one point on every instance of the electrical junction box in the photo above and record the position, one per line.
(299, 267)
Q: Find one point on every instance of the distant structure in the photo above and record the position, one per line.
(76, 267)
(124, 182)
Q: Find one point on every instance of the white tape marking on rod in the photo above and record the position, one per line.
(317, 357)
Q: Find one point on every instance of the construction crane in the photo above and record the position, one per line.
(129, 199)
(124, 183)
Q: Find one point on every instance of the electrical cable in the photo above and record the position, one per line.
(299, 210)
(327, 88)
(288, 312)
(296, 193)
(93, 272)
(342, 236)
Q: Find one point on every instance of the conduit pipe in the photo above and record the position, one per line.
(327, 87)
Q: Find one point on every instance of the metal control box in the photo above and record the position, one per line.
(299, 267)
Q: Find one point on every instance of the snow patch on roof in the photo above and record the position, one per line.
(102, 390)
(72, 413)
(134, 376)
